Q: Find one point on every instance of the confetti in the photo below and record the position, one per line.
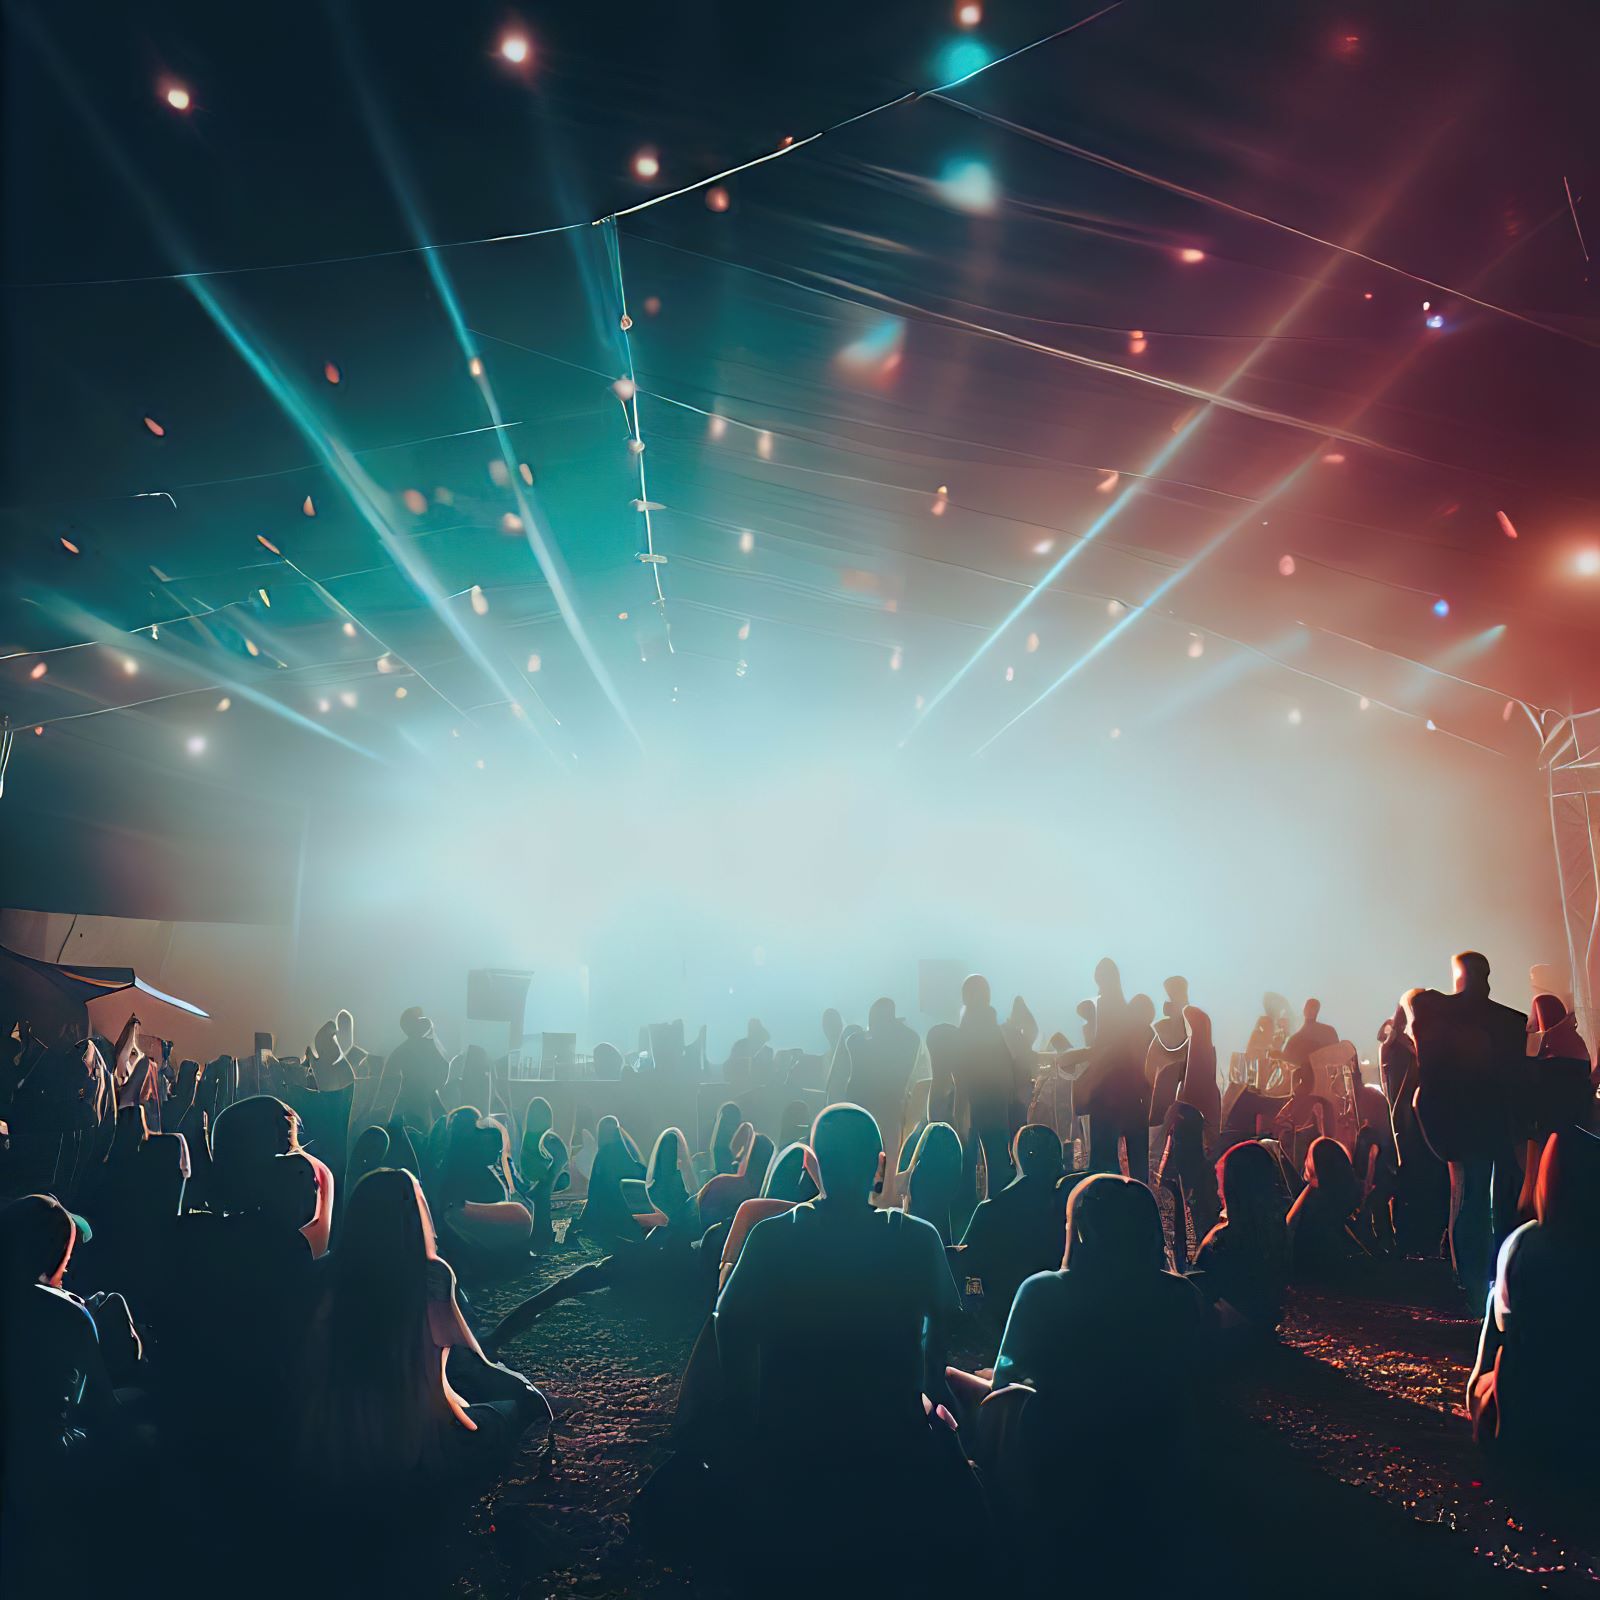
(308, 507)
(266, 599)
(525, 472)
(744, 631)
(37, 670)
(267, 544)
(224, 703)
(717, 198)
(1334, 458)
(70, 547)
(1011, 673)
(416, 501)
(480, 601)
(624, 389)
(331, 373)
(155, 427)
(1507, 526)
(1109, 482)
(511, 523)
(499, 473)
(747, 541)
(1286, 566)
(252, 647)
(534, 663)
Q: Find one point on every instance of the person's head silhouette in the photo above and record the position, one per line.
(1177, 990)
(345, 1030)
(1037, 1152)
(1114, 1226)
(881, 1015)
(1471, 973)
(1311, 1010)
(1141, 1011)
(1107, 977)
(849, 1152)
(974, 991)
(1086, 1012)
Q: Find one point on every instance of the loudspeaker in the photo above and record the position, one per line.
(494, 995)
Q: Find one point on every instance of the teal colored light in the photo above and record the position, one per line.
(969, 185)
(959, 59)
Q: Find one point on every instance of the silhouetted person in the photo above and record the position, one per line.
(1469, 1048)
(1243, 1262)
(606, 1216)
(972, 1088)
(1321, 1221)
(1022, 1229)
(723, 1194)
(881, 1062)
(934, 1178)
(1112, 1090)
(1311, 1036)
(1422, 1183)
(421, 1069)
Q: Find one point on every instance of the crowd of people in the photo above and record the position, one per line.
(251, 1272)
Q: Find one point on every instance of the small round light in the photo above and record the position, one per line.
(514, 47)
(178, 97)
(1296, 717)
(717, 198)
(1190, 255)
(195, 744)
(1435, 321)
(969, 15)
(224, 703)
(747, 542)
(1286, 566)
(647, 164)
(400, 692)
(1441, 607)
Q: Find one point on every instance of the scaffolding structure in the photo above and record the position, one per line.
(1570, 755)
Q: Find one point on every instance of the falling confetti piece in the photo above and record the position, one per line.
(1432, 726)
(400, 692)
(331, 372)
(224, 703)
(475, 367)
(70, 547)
(622, 616)
(534, 663)
(499, 473)
(1507, 526)
(1108, 483)
(266, 599)
(416, 501)
(480, 601)
(624, 389)
(511, 523)
(308, 506)
(647, 164)
(267, 544)
(1191, 255)
(717, 198)
(717, 426)
(636, 446)
(747, 541)
(525, 472)
(1197, 647)
(349, 630)
(37, 671)
(1032, 643)
(764, 445)
(648, 505)
(652, 306)
(1286, 566)
(155, 427)
(252, 647)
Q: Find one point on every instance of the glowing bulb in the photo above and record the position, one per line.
(499, 473)
(511, 523)
(525, 472)
(1044, 547)
(267, 544)
(178, 97)
(1587, 563)
(195, 744)
(895, 660)
(624, 389)
(349, 630)
(37, 670)
(717, 198)
(652, 305)
(1441, 607)
(969, 15)
(155, 427)
(1334, 458)
(69, 547)
(130, 667)
(416, 501)
(1190, 255)
(400, 692)
(347, 698)
(1296, 717)
(1286, 566)
(514, 48)
(647, 164)
(1197, 647)
(224, 703)
(308, 507)
(622, 616)
(747, 542)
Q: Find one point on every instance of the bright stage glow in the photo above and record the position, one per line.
(970, 14)
(969, 185)
(1190, 255)
(1587, 562)
(177, 97)
(1296, 717)
(1286, 566)
(1441, 607)
(514, 47)
(195, 744)
(960, 59)
(647, 165)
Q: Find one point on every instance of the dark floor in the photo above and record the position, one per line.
(1354, 1433)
